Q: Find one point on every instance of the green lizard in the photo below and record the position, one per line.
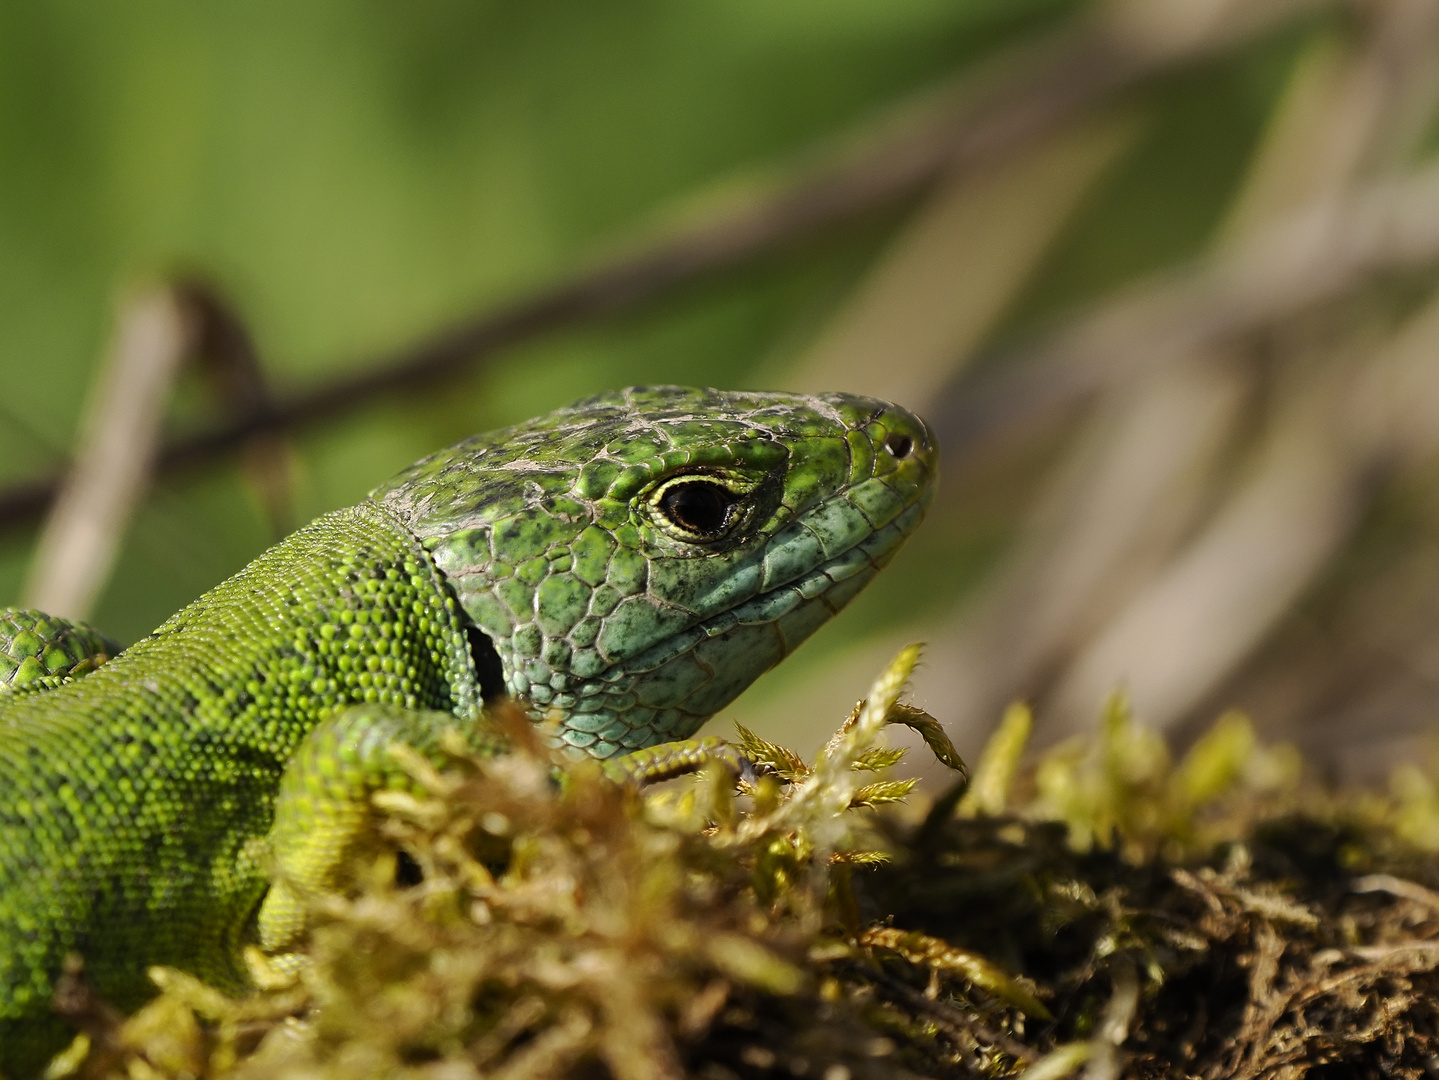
(623, 567)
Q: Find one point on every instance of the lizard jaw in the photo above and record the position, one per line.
(670, 689)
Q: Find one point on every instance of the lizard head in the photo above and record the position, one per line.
(629, 564)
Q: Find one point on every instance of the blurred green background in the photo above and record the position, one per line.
(353, 177)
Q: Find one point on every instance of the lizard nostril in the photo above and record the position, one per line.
(898, 445)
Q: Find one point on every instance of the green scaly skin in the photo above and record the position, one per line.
(39, 651)
(624, 568)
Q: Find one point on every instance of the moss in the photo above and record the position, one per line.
(1106, 910)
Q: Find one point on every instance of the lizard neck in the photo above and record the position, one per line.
(184, 738)
(347, 610)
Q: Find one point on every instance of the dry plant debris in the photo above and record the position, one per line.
(1108, 912)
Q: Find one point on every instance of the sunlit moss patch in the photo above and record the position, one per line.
(1104, 911)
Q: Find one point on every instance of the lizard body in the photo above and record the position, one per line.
(624, 568)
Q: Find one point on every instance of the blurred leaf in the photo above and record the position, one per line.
(1216, 761)
(988, 792)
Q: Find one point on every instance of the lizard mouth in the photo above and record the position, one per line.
(833, 582)
(772, 605)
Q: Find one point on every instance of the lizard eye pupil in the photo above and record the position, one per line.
(698, 506)
(899, 445)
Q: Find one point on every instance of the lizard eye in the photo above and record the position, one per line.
(899, 446)
(701, 508)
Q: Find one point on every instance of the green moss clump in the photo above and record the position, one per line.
(1108, 911)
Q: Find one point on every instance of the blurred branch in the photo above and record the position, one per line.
(227, 355)
(1116, 47)
(120, 435)
(1319, 253)
(957, 265)
(1352, 104)
(1331, 443)
(156, 333)
(1172, 622)
(1207, 609)
(1110, 519)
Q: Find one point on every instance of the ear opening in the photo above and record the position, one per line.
(488, 669)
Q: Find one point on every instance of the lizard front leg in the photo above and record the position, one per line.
(665, 761)
(323, 810)
(324, 813)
